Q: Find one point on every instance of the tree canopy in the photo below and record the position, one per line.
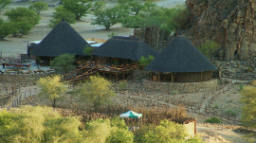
(39, 6)
(4, 3)
(106, 17)
(96, 91)
(62, 13)
(64, 63)
(78, 7)
(6, 28)
(248, 110)
(208, 48)
(52, 87)
(23, 20)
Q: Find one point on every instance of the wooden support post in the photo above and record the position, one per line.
(201, 77)
(152, 75)
(50, 61)
(123, 76)
(172, 77)
(158, 76)
(104, 74)
(110, 76)
(116, 77)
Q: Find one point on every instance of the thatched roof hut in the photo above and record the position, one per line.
(125, 48)
(62, 39)
(184, 59)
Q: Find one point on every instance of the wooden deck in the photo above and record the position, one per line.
(113, 72)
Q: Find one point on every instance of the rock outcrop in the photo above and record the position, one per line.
(228, 22)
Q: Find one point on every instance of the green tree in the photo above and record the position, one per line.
(145, 60)
(64, 63)
(119, 132)
(249, 109)
(23, 20)
(62, 13)
(96, 91)
(87, 50)
(39, 6)
(106, 17)
(51, 88)
(167, 132)
(208, 48)
(111, 35)
(3, 4)
(30, 124)
(78, 7)
(6, 28)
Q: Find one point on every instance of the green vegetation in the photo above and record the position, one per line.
(231, 112)
(174, 92)
(208, 48)
(78, 7)
(64, 63)
(111, 35)
(145, 60)
(41, 124)
(87, 50)
(213, 120)
(4, 3)
(216, 106)
(241, 87)
(6, 28)
(39, 6)
(51, 88)
(96, 91)
(248, 110)
(23, 20)
(122, 84)
(62, 13)
(106, 17)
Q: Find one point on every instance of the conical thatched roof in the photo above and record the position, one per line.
(62, 39)
(124, 48)
(180, 56)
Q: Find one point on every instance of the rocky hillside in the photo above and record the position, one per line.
(228, 22)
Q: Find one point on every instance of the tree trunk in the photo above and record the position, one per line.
(54, 102)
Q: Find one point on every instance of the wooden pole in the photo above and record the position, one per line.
(50, 61)
(117, 77)
(158, 76)
(172, 77)
(152, 75)
(201, 77)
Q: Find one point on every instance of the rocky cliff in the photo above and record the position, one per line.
(228, 22)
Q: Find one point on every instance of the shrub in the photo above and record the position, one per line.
(213, 120)
(174, 92)
(231, 113)
(241, 87)
(122, 84)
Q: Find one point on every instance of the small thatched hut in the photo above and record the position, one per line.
(128, 48)
(184, 61)
(61, 40)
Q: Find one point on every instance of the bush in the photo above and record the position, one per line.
(213, 120)
(122, 84)
(241, 87)
(174, 92)
(231, 113)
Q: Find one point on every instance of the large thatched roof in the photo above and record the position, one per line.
(125, 48)
(125, 38)
(180, 56)
(62, 39)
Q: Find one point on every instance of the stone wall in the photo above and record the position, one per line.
(182, 88)
(21, 78)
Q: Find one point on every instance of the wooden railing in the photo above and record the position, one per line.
(74, 71)
(85, 74)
